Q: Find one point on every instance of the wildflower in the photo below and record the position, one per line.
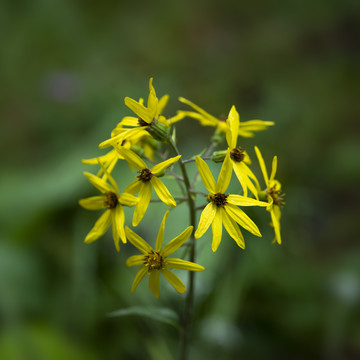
(239, 157)
(272, 193)
(246, 128)
(113, 203)
(223, 208)
(154, 262)
(147, 179)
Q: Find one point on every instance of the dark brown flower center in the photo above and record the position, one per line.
(154, 261)
(111, 200)
(223, 117)
(145, 175)
(142, 122)
(277, 196)
(219, 199)
(237, 154)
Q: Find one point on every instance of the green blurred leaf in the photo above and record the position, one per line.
(164, 315)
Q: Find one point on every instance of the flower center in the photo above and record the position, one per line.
(142, 122)
(111, 200)
(154, 261)
(237, 154)
(145, 175)
(219, 199)
(277, 196)
(223, 117)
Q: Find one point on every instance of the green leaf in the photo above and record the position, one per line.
(164, 315)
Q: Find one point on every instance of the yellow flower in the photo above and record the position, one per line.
(154, 262)
(239, 157)
(246, 128)
(147, 179)
(114, 213)
(223, 208)
(272, 193)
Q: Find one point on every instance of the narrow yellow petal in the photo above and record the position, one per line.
(206, 218)
(139, 276)
(93, 203)
(128, 199)
(132, 158)
(129, 121)
(140, 110)
(119, 219)
(162, 103)
(273, 169)
(160, 236)
(262, 165)
(144, 200)
(216, 228)
(175, 243)
(232, 128)
(204, 121)
(162, 192)
(137, 241)
(100, 184)
(174, 280)
(241, 177)
(242, 219)
(115, 230)
(276, 225)
(233, 229)
(164, 165)
(152, 100)
(135, 260)
(225, 174)
(183, 264)
(134, 187)
(100, 227)
(244, 201)
(154, 277)
(205, 174)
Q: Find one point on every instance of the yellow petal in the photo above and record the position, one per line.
(205, 174)
(118, 222)
(100, 227)
(100, 184)
(262, 165)
(204, 121)
(129, 121)
(128, 199)
(164, 165)
(115, 230)
(242, 219)
(241, 177)
(244, 201)
(144, 200)
(139, 276)
(93, 203)
(132, 158)
(152, 100)
(273, 169)
(137, 241)
(225, 174)
(140, 110)
(135, 260)
(162, 103)
(160, 236)
(206, 218)
(134, 187)
(212, 119)
(154, 282)
(183, 264)
(233, 229)
(174, 280)
(216, 228)
(276, 224)
(162, 192)
(175, 243)
(232, 127)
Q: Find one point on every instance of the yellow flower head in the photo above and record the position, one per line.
(154, 262)
(146, 180)
(239, 157)
(246, 128)
(223, 208)
(114, 213)
(273, 194)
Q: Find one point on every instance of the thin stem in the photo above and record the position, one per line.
(189, 302)
(193, 160)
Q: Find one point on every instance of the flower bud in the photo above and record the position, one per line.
(218, 156)
(158, 131)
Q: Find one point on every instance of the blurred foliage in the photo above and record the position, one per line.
(65, 67)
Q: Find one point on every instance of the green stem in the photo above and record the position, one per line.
(189, 302)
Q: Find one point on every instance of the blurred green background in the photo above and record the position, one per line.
(66, 67)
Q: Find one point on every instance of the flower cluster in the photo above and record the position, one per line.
(148, 137)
